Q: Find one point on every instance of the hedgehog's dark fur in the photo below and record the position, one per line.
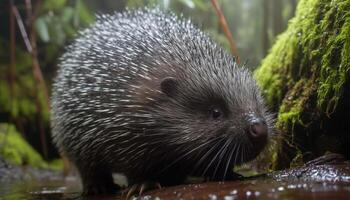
(134, 95)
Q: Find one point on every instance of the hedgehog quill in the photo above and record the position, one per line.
(147, 94)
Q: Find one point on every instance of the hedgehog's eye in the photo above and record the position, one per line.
(215, 113)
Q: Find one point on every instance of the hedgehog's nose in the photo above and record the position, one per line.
(257, 132)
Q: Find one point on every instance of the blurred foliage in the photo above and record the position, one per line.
(15, 149)
(22, 104)
(56, 24)
(58, 20)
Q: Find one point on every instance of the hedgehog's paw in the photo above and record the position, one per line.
(139, 189)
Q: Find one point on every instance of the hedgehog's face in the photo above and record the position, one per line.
(225, 121)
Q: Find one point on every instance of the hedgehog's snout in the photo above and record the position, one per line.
(257, 131)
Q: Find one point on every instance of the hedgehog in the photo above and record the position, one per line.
(147, 94)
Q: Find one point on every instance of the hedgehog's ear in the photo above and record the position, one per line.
(169, 86)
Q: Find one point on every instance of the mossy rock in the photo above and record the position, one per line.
(15, 150)
(304, 78)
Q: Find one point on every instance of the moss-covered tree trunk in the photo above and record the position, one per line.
(305, 78)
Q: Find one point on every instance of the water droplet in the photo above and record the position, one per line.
(234, 192)
(291, 186)
(248, 193)
(257, 193)
(213, 197)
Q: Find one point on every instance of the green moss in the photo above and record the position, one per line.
(272, 78)
(315, 46)
(336, 60)
(17, 151)
(55, 164)
(297, 160)
(305, 73)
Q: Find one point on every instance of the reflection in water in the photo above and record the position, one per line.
(40, 189)
(45, 189)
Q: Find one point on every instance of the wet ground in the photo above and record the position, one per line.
(311, 182)
(317, 182)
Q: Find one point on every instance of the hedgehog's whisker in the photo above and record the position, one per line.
(245, 149)
(237, 152)
(205, 156)
(186, 154)
(229, 159)
(222, 155)
(213, 159)
(219, 159)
